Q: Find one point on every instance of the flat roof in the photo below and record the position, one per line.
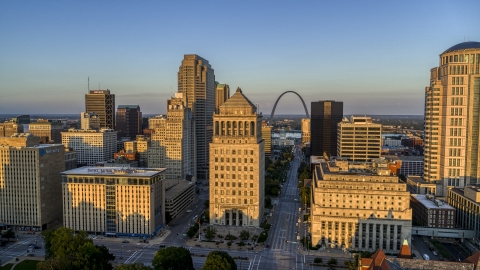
(429, 203)
(411, 158)
(175, 188)
(117, 171)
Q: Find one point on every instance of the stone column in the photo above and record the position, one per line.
(374, 238)
(381, 236)
(395, 233)
(360, 235)
(388, 238)
(367, 237)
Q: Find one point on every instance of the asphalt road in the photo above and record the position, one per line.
(19, 248)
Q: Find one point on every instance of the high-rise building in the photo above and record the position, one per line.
(452, 118)
(172, 144)
(305, 130)
(30, 183)
(91, 146)
(324, 119)
(196, 80)
(359, 139)
(9, 128)
(48, 130)
(114, 201)
(359, 205)
(237, 164)
(102, 103)
(129, 121)
(222, 93)
(267, 138)
(89, 121)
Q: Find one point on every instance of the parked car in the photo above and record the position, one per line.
(125, 241)
(435, 253)
(425, 257)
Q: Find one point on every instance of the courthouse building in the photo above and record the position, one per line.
(359, 206)
(30, 186)
(114, 201)
(237, 164)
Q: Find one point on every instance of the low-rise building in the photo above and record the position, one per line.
(48, 130)
(418, 185)
(466, 201)
(179, 195)
(359, 206)
(430, 212)
(411, 165)
(114, 201)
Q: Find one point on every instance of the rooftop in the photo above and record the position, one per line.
(464, 46)
(128, 106)
(429, 203)
(109, 171)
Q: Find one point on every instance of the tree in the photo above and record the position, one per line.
(332, 261)
(219, 260)
(173, 258)
(66, 250)
(210, 233)
(244, 235)
(134, 266)
(318, 260)
(168, 217)
(268, 202)
(8, 234)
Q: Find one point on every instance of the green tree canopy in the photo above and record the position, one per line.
(66, 250)
(219, 260)
(8, 234)
(173, 258)
(244, 235)
(134, 266)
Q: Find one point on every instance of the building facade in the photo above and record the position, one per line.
(411, 165)
(128, 121)
(179, 195)
(430, 212)
(89, 121)
(359, 139)
(48, 130)
(141, 146)
(196, 81)
(267, 138)
(9, 128)
(323, 127)
(466, 202)
(451, 118)
(237, 164)
(305, 130)
(222, 93)
(114, 201)
(359, 206)
(102, 103)
(91, 146)
(30, 183)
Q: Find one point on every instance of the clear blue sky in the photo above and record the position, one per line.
(375, 56)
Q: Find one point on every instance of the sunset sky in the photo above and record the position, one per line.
(375, 56)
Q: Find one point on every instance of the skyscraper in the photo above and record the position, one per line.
(222, 93)
(237, 164)
(196, 80)
(452, 118)
(324, 119)
(102, 103)
(128, 121)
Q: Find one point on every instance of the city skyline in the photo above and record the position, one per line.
(371, 56)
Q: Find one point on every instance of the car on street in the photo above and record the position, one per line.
(189, 210)
(267, 246)
(125, 241)
(435, 253)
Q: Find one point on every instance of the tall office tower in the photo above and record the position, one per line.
(305, 130)
(89, 121)
(237, 164)
(452, 118)
(196, 80)
(30, 183)
(267, 138)
(91, 146)
(324, 119)
(359, 139)
(359, 206)
(141, 146)
(129, 121)
(102, 103)
(172, 143)
(9, 128)
(47, 130)
(222, 93)
(114, 201)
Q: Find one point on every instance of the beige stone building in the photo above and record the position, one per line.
(196, 81)
(48, 130)
(359, 206)
(466, 202)
(91, 146)
(30, 183)
(9, 128)
(359, 139)
(89, 121)
(222, 93)
(237, 164)
(451, 118)
(172, 143)
(114, 201)
(140, 145)
(267, 138)
(305, 130)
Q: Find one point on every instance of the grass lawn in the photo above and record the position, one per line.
(6, 266)
(26, 265)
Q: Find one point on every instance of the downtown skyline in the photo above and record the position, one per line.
(371, 56)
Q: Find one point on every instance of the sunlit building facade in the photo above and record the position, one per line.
(359, 139)
(101, 102)
(237, 164)
(114, 201)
